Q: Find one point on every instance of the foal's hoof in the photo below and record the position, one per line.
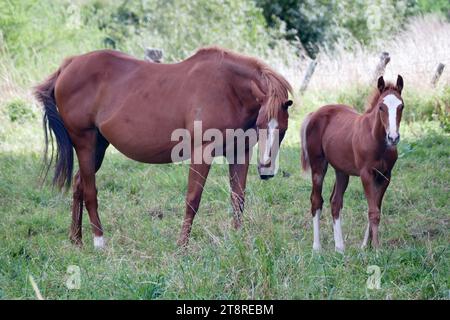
(317, 248)
(76, 241)
(340, 250)
(99, 242)
(182, 242)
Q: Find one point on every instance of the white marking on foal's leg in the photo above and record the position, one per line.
(316, 222)
(99, 242)
(338, 239)
(366, 237)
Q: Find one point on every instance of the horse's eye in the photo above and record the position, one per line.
(381, 109)
(401, 107)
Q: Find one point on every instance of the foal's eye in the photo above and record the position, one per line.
(401, 107)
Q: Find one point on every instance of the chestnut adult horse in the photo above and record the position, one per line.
(107, 97)
(355, 145)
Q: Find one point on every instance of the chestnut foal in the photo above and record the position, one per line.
(354, 144)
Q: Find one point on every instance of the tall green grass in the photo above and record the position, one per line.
(141, 207)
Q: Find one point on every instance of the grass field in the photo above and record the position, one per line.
(141, 207)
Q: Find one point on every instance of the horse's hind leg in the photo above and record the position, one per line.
(90, 148)
(319, 167)
(77, 211)
(337, 201)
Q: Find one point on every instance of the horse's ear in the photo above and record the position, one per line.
(287, 104)
(381, 84)
(399, 83)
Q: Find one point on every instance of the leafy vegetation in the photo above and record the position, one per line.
(325, 23)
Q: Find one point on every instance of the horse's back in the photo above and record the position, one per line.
(332, 117)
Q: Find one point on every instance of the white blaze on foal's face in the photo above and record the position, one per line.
(392, 103)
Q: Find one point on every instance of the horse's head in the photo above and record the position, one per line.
(271, 131)
(390, 107)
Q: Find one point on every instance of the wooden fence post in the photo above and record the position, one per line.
(379, 71)
(153, 55)
(437, 74)
(308, 75)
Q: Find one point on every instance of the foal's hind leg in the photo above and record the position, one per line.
(319, 167)
(90, 148)
(337, 200)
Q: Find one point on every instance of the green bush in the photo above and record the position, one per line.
(323, 23)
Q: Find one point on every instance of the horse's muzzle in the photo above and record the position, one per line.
(393, 141)
(266, 176)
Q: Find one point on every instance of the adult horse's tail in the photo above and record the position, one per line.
(305, 158)
(54, 127)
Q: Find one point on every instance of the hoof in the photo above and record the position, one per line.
(317, 248)
(340, 250)
(182, 242)
(76, 241)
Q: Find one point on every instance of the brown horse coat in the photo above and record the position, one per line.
(107, 97)
(355, 145)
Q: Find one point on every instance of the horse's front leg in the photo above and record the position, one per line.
(238, 179)
(374, 188)
(196, 181)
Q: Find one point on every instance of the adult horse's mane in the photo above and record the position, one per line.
(276, 86)
(376, 94)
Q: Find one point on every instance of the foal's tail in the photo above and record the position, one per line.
(54, 127)
(305, 158)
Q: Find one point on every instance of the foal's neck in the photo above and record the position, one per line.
(378, 133)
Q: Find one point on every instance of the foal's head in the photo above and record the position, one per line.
(271, 131)
(389, 107)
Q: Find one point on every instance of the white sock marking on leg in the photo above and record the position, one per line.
(366, 236)
(99, 242)
(338, 239)
(316, 222)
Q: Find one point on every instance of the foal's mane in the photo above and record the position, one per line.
(376, 94)
(275, 85)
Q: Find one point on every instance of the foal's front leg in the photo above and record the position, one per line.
(197, 178)
(374, 191)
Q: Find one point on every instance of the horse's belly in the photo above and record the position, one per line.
(150, 143)
(147, 154)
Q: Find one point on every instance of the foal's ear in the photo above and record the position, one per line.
(381, 84)
(399, 83)
(287, 104)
